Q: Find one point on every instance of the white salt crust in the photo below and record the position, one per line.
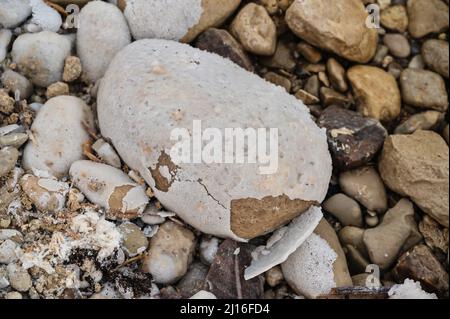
(409, 290)
(309, 270)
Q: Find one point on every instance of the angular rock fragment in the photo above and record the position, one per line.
(353, 139)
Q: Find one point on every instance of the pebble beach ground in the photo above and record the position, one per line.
(93, 205)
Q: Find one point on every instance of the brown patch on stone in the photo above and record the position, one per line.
(122, 4)
(161, 182)
(115, 203)
(252, 217)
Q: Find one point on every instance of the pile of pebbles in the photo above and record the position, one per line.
(93, 206)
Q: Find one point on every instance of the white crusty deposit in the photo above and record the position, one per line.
(178, 84)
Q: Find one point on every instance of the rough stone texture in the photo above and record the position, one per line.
(435, 236)
(254, 28)
(353, 139)
(337, 25)
(13, 12)
(424, 89)
(222, 43)
(211, 197)
(46, 194)
(40, 56)
(194, 280)
(110, 188)
(427, 16)
(395, 18)
(173, 19)
(170, 253)
(59, 132)
(102, 32)
(336, 73)
(420, 264)
(417, 166)
(435, 54)
(225, 278)
(377, 93)
(398, 232)
(318, 265)
(365, 185)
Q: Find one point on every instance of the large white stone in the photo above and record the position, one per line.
(154, 86)
(58, 135)
(102, 33)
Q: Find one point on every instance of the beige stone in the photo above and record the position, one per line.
(417, 166)
(427, 16)
(335, 25)
(170, 253)
(376, 92)
(255, 30)
(398, 232)
(395, 18)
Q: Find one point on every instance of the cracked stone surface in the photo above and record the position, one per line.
(232, 201)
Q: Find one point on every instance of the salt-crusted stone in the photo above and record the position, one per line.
(318, 265)
(174, 19)
(46, 194)
(409, 290)
(102, 32)
(110, 188)
(240, 201)
(16, 82)
(59, 132)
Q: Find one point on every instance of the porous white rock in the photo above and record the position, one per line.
(283, 243)
(58, 135)
(102, 32)
(110, 188)
(5, 38)
(202, 294)
(318, 265)
(40, 56)
(225, 200)
(174, 19)
(13, 12)
(309, 270)
(409, 290)
(208, 249)
(45, 17)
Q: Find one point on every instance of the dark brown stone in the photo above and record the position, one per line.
(225, 278)
(421, 265)
(222, 43)
(352, 138)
